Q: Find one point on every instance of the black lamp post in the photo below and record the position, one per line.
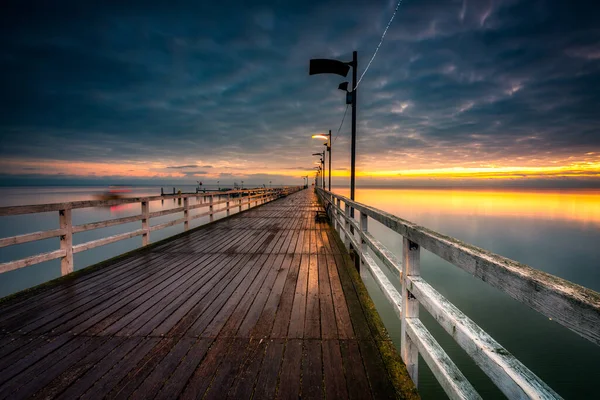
(322, 163)
(328, 144)
(327, 66)
(317, 176)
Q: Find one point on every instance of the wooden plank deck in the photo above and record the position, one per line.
(263, 304)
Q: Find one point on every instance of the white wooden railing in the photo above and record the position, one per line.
(571, 305)
(231, 199)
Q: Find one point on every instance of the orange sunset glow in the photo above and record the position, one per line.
(577, 206)
(589, 168)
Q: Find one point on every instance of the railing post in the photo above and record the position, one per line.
(364, 248)
(240, 202)
(66, 241)
(145, 223)
(227, 204)
(210, 209)
(186, 213)
(347, 225)
(410, 306)
(334, 219)
(337, 214)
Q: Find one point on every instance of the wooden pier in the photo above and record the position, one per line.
(262, 304)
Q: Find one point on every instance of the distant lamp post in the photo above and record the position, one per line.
(322, 162)
(328, 144)
(242, 185)
(327, 66)
(317, 175)
(219, 185)
(303, 182)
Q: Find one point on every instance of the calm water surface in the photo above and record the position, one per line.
(557, 232)
(554, 231)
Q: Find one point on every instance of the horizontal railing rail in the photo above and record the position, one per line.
(235, 199)
(573, 306)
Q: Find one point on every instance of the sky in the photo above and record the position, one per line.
(461, 91)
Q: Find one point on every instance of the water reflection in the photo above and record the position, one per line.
(573, 205)
(554, 231)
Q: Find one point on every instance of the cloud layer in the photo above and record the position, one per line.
(170, 90)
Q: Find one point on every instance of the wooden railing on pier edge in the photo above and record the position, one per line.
(231, 199)
(575, 307)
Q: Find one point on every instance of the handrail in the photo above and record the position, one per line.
(572, 305)
(67, 229)
(72, 205)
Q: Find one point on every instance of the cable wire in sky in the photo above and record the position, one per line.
(341, 123)
(379, 45)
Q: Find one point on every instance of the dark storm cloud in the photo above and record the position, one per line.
(158, 80)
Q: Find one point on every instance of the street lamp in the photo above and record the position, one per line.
(317, 176)
(327, 66)
(303, 178)
(322, 160)
(328, 144)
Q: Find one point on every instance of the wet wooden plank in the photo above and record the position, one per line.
(71, 298)
(93, 282)
(296, 327)
(231, 326)
(342, 315)
(20, 347)
(29, 369)
(155, 380)
(46, 347)
(101, 369)
(103, 305)
(312, 378)
(178, 379)
(184, 316)
(126, 386)
(202, 377)
(356, 378)
(291, 368)
(228, 369)
(140, 305)
(81, 367)
(333, 375)
(221, 309)
(56, 364)
(146, 321)
(265, 322)
(261, 298)
(266, 384)
(284, 309)
(381, 387)
(359, 322)
(243, 384)
(312, 324)
(328, 322)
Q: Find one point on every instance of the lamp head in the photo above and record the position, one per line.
(320, 136)
(327, 66)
